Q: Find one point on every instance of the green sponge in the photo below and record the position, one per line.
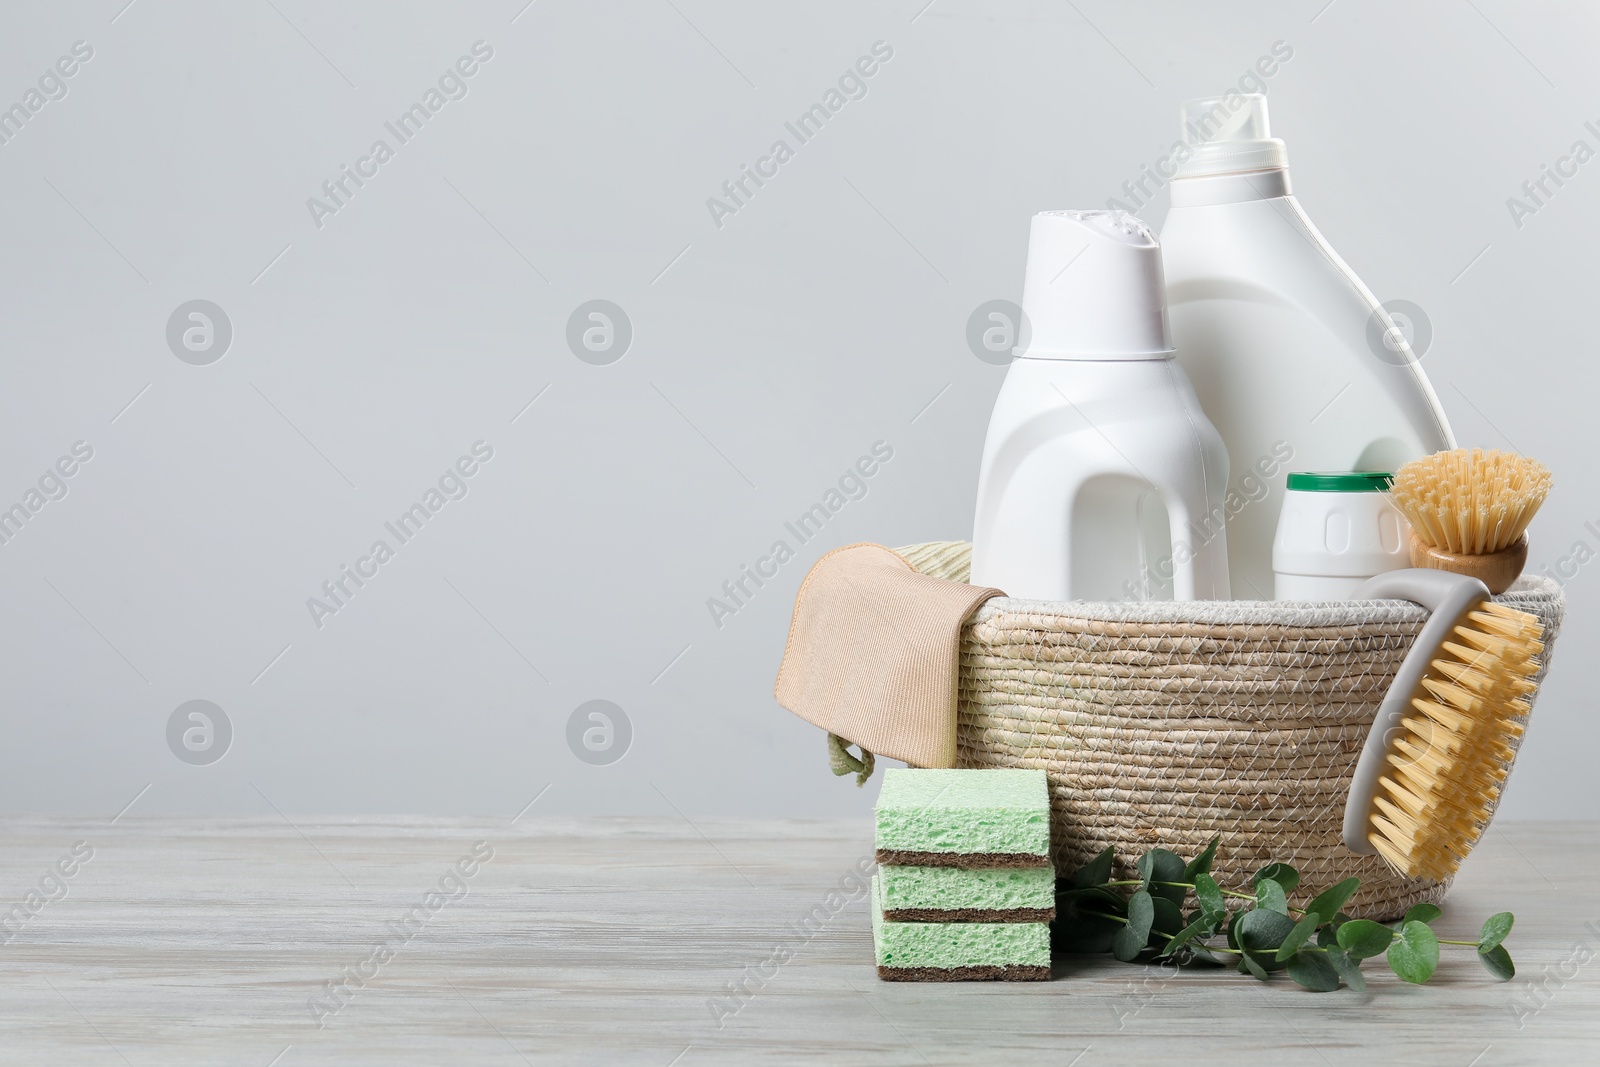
(953, 952)
(964, 818)
(949, 894)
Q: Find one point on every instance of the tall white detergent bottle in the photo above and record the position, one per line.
(1292, 357)
(1102, 478)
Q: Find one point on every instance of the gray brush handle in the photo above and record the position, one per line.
(1449, 597)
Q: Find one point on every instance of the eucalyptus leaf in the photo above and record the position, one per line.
(1200, 952)
(1141, 913)
(1330, 900)
(1209, 894)
(1202, 924)
(1415, 952)
(1423, 913)
(1168, 919)
(1260, 933)
(1126, 947)
(1313, 971)
(1349, 969)
(1248, 962)
(1201, 864)
(1207, 922)
(1363, 937)
(1270, 895)
(1498, 962)
(1281, 873)
(1097, 871)
(1495, 929)
(1160, 865)
(1130, 940)
(1090, 934)
(1182, 938)
(1096, 896)
(1298, 936)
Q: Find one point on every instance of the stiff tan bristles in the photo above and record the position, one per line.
(1446, 767)
(1470, 502)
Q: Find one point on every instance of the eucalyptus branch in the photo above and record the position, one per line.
(1319, 945)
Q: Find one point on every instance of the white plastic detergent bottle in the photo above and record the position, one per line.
(1292, 357)
(1102, 479)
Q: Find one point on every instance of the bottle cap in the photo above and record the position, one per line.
(1341, 481)
(1229, 135)
(1094, 288)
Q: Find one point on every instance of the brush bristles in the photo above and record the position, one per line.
(1447, 765)
(1470, 502)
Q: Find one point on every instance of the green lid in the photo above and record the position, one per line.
(1341, 481)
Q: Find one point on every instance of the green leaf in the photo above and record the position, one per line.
(1330, 900)
(1363, 937)
(1495, 929)
(1160, 865)
(1168, 919)
(1130, 940)
(1248, 962)
(1088, 934)
(1200, 952)
(1329, 934)
(1270, 895)
(1423, 913)
(1209, 894)
(1281, 873)
(1349, 969)
(1201, 864)
(1312, 970)
(1209, 922)
(1260, 933)
(1298, 936)
(1415, 953)
(1141, 913)
(1097, 871)
(1125, 947)
(1498, 962)
(1182, 938)
(1097, 896)
(1202, 924)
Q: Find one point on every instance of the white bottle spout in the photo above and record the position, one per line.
(1094, 288)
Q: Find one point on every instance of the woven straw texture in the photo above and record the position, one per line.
(1161, 724)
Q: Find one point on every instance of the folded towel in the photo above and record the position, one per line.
(874, 654)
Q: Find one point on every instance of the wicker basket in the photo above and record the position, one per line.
(1161, 724)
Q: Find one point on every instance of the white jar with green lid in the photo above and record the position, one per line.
(1336, 530)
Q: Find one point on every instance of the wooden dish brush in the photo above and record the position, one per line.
(1441, 746)
(1469, 511)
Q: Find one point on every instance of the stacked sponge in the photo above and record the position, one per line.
(965, 889)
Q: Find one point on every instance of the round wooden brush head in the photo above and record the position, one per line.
(1469, 511)
(1497, 570)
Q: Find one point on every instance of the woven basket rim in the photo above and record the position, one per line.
(1529, 590)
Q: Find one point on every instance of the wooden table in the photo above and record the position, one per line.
(639, 941)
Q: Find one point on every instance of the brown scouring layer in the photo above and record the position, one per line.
(969, 915)
(970, 861)
(982, 973)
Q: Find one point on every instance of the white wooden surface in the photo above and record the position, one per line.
(610, 941)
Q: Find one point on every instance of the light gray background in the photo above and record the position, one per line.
(768, 355)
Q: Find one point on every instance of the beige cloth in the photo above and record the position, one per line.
(874, 654)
